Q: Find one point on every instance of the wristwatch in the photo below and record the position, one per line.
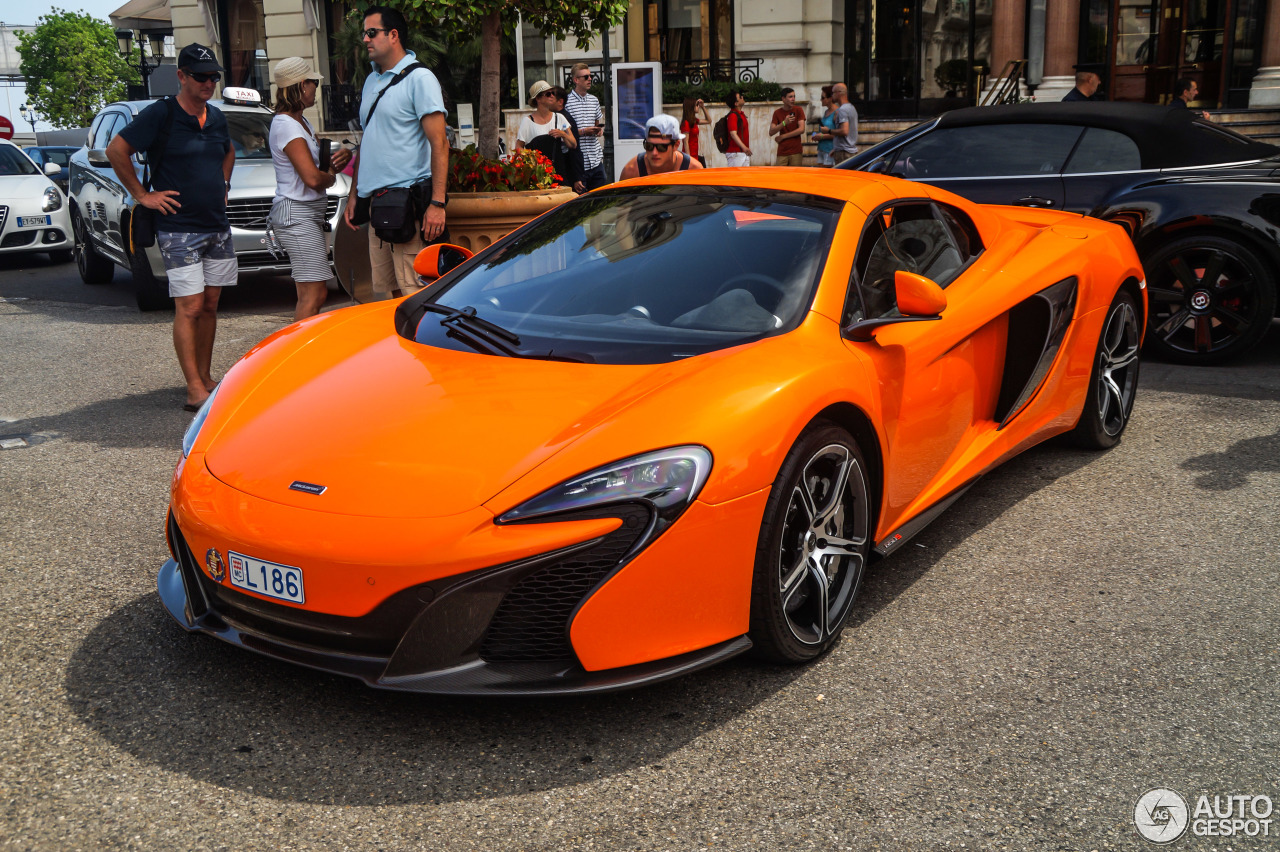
(434, 203)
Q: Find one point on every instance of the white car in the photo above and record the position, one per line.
(33, 211)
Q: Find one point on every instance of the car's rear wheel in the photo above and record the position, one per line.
(152, 293)
(1113, 384)
(813, 546)
(1210, 299)
(93, 267)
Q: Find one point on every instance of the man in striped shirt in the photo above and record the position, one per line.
(585, 109)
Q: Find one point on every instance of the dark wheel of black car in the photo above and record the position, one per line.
(152, 293)
(813, 546)
(1113, 385)
(1210, 299)
(93, 267)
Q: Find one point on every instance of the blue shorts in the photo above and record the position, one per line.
(196, 261)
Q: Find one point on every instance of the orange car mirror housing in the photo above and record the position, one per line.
(918, 296)
(434, 261)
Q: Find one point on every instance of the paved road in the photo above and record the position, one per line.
(1081, 628)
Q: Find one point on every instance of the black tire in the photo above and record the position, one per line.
(813, 546)
(93, 267)
(1113, 382)
(1210, 299)
(152, 293)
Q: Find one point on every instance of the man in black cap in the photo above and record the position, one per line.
(191, 158)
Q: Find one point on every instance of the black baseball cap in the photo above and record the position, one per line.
(198, 58)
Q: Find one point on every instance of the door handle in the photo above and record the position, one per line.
(1034, 201)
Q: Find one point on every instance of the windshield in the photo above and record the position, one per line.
(644, 276)
(249, 134)
(14, 162)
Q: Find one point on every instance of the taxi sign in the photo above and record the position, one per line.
(241, 97)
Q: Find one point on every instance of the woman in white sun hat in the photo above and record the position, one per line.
(297, 212)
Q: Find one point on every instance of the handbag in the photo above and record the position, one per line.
(391, 215)
(142, 228)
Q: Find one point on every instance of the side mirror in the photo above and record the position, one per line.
(51, 169)
(98, 157)
(434, 261)
(918, 296)
(919, 299)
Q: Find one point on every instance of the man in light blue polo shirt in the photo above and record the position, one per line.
(403, 145)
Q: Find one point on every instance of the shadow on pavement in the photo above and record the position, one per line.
(152, 419)
(218, 714)
(1230, 469)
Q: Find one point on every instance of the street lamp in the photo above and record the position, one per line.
(29, 114)
(153, 44)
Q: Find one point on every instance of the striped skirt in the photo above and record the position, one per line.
(299, 226)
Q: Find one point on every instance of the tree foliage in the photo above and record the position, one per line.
(73, 67)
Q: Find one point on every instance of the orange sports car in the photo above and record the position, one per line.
(661, 425)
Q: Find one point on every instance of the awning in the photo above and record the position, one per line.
(142, 10)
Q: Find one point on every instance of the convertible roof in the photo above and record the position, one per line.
(1166, 137)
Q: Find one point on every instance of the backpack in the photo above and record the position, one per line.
(720, 133)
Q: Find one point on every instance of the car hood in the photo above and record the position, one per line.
(23, 188)
(257, 178)
(253, 177)
(393, 428)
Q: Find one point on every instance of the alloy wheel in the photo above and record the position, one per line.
(1117, 375)
(822, 550)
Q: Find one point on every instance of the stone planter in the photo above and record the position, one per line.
(477, 219)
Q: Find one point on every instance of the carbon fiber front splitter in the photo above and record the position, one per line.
(472, 677)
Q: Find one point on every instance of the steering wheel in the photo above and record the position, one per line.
(757, 284)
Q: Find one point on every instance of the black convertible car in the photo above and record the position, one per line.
(1201, 202)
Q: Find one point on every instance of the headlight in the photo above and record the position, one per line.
(189, 439)
(667, 480)
(52, 199)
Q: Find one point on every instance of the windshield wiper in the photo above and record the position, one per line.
(484, 336)
(463, 324)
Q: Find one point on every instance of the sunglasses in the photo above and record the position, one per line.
(372, 32)
(582, 77)
(660, 147)
(211, 77)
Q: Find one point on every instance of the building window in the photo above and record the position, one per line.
(247, 46)
(689, 34)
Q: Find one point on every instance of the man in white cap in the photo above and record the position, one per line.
(661, 150)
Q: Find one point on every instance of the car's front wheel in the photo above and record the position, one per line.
(93, 267)
(1210, 299)
(1113, 384)
(813, 546)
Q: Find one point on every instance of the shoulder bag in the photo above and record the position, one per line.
(142, 220)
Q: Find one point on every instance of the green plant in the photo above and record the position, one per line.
(716, 91)
(524, 170)
(952, 75)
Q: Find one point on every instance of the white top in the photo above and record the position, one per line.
(288, 183)
(530, 129)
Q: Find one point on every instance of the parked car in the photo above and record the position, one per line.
(59, 155)
(33, 211)
(659, 425)
(1201, 201)
(100, 205)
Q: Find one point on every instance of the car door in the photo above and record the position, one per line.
(1103, 161)
(104, 198)
(993, 163)
(938, 379)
